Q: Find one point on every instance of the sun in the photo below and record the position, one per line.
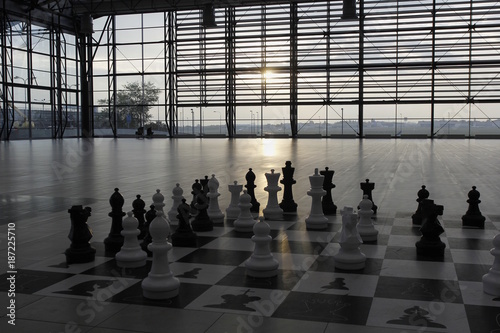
(268, 75)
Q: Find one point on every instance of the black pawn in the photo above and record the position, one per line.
(250, 186)
(184, 235)
(150, 215)
(430, 245)
(196, 188)
(367, 188)
(287, 204)
(202, 221)
(329, 208)
(422, 194)
(114, 241)
(138, 204)
(80, 234)
(473, 217)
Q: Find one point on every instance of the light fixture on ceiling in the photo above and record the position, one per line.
(349, 10)
(209, 16)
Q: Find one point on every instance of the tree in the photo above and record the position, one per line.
(133, 103)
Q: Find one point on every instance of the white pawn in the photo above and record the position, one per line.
(245, 220)
(158, 199)
(349, 256)
(366, 228)
(177, 197)
(317, 219)
(233, 211)
(160, 282)
(213, 194)
(130, 255)
(491, 280)
(272, 211)
(261, 264)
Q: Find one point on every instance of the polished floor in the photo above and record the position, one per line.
(41, 179)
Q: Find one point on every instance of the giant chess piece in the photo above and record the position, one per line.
(250, 186)
(430, 245)
(417, 218)
(213, 194)
(261, 264)
(329, 208)
(184, 235)
(233, 211)
(80, 234)
(349, 256)
(204, 184)
(177, 200)
(287, 204)
(367, 189)
(491, 280)
(150, 215)
(195, 189)
(202, 221)
(138, 204)
(114, 241)
(366, 229)
(131, 255)
(316, 220)
(160, 282)
(245, 220)
(158, 201)
(273, 210)
(473, 217)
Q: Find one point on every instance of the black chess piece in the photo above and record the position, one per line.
(202, 221)
(80, 234)
(473, 217)
(150, 215)
(138, 204)
(250, 186)
(287, 204)
(329, 208)
(204, 184)
(430, 245)
(184, 235)
(114, 241)
(418, 216)
(196, 188)
(367, 188)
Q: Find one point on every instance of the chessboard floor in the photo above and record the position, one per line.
(395, 292)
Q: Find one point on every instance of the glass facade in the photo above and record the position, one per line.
(403, 68)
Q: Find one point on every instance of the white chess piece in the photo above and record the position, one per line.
(160, 282)
(177, 197)
(349, 256)
(491, 280)
(232, 211)
(245, 220)
(130, 254)
(213, 194)
(262, 263)
(272, 211)
(317, 219)
(365, 226)
(158, 199)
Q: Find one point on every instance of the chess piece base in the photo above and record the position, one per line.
(473, 221)
(261, 274)
(261, 266)
(350, 263)
(430, 249)
(316, 223)
(273, 213)
(131, 264)
(155, 287)
(80, 256)
(491, 283)
(368, 236)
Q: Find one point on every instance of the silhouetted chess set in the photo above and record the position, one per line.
(401, 270)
